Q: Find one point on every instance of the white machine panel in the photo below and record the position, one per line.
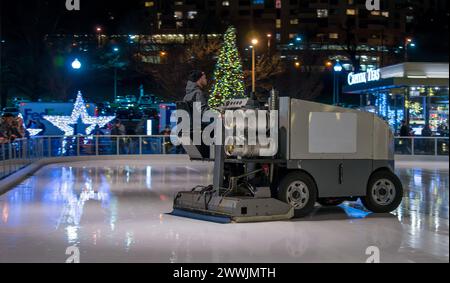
(333, 133)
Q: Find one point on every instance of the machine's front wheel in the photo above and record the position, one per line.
(384, 192)
(299, 190)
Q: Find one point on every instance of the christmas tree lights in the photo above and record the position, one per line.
(229, 75)
(67, 123)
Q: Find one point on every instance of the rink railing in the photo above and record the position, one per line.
(422, 146)
(21, 153)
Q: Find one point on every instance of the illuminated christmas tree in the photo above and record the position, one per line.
(229, 75)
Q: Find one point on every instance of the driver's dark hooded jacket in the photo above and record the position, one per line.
(195, 94)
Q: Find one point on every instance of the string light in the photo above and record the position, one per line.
(67, 123)
(383, 105)
(229, 75)
(393, 115)
(34, 132)
(414, 107)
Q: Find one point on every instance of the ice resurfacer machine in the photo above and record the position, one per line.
(325, 155)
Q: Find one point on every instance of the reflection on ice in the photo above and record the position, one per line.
(116, 211)
(354, 212)
(5, 213)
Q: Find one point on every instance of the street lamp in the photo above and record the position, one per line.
(269, 41)
(76, 64)
(162, 57)
(115, 50)
(337, 69)
(408, 43)
(99, 30)
(254, 43)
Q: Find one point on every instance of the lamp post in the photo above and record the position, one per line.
(408, 42)
(337, 69)
(115, 50)
(254, 43)
(162, 56)
(269, 42)
(99, 30)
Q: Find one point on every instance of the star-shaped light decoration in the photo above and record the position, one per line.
(67, 124)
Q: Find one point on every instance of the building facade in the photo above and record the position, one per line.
(414, 92)
(335, 29)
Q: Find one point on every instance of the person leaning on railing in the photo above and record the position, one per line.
(405, 132)
(3, 139)
(10, 128)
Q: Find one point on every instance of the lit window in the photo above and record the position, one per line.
(192, 14)
(294, 22)
(322, 13)
(278, 23)
(351, 12)
(226, 3)
(278, 4)
(334, 36)
(178, 15)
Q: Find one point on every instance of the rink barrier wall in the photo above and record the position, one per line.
(18, 177)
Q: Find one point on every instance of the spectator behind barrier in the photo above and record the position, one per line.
(11, 128)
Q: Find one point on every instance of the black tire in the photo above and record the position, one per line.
(330, 202)
(391, 195)
(299, 190)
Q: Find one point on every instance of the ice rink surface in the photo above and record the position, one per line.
(117, 212)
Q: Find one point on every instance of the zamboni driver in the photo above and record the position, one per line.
(195, 90)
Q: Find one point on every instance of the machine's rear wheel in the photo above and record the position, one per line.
(299, 190)
(384, 192)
